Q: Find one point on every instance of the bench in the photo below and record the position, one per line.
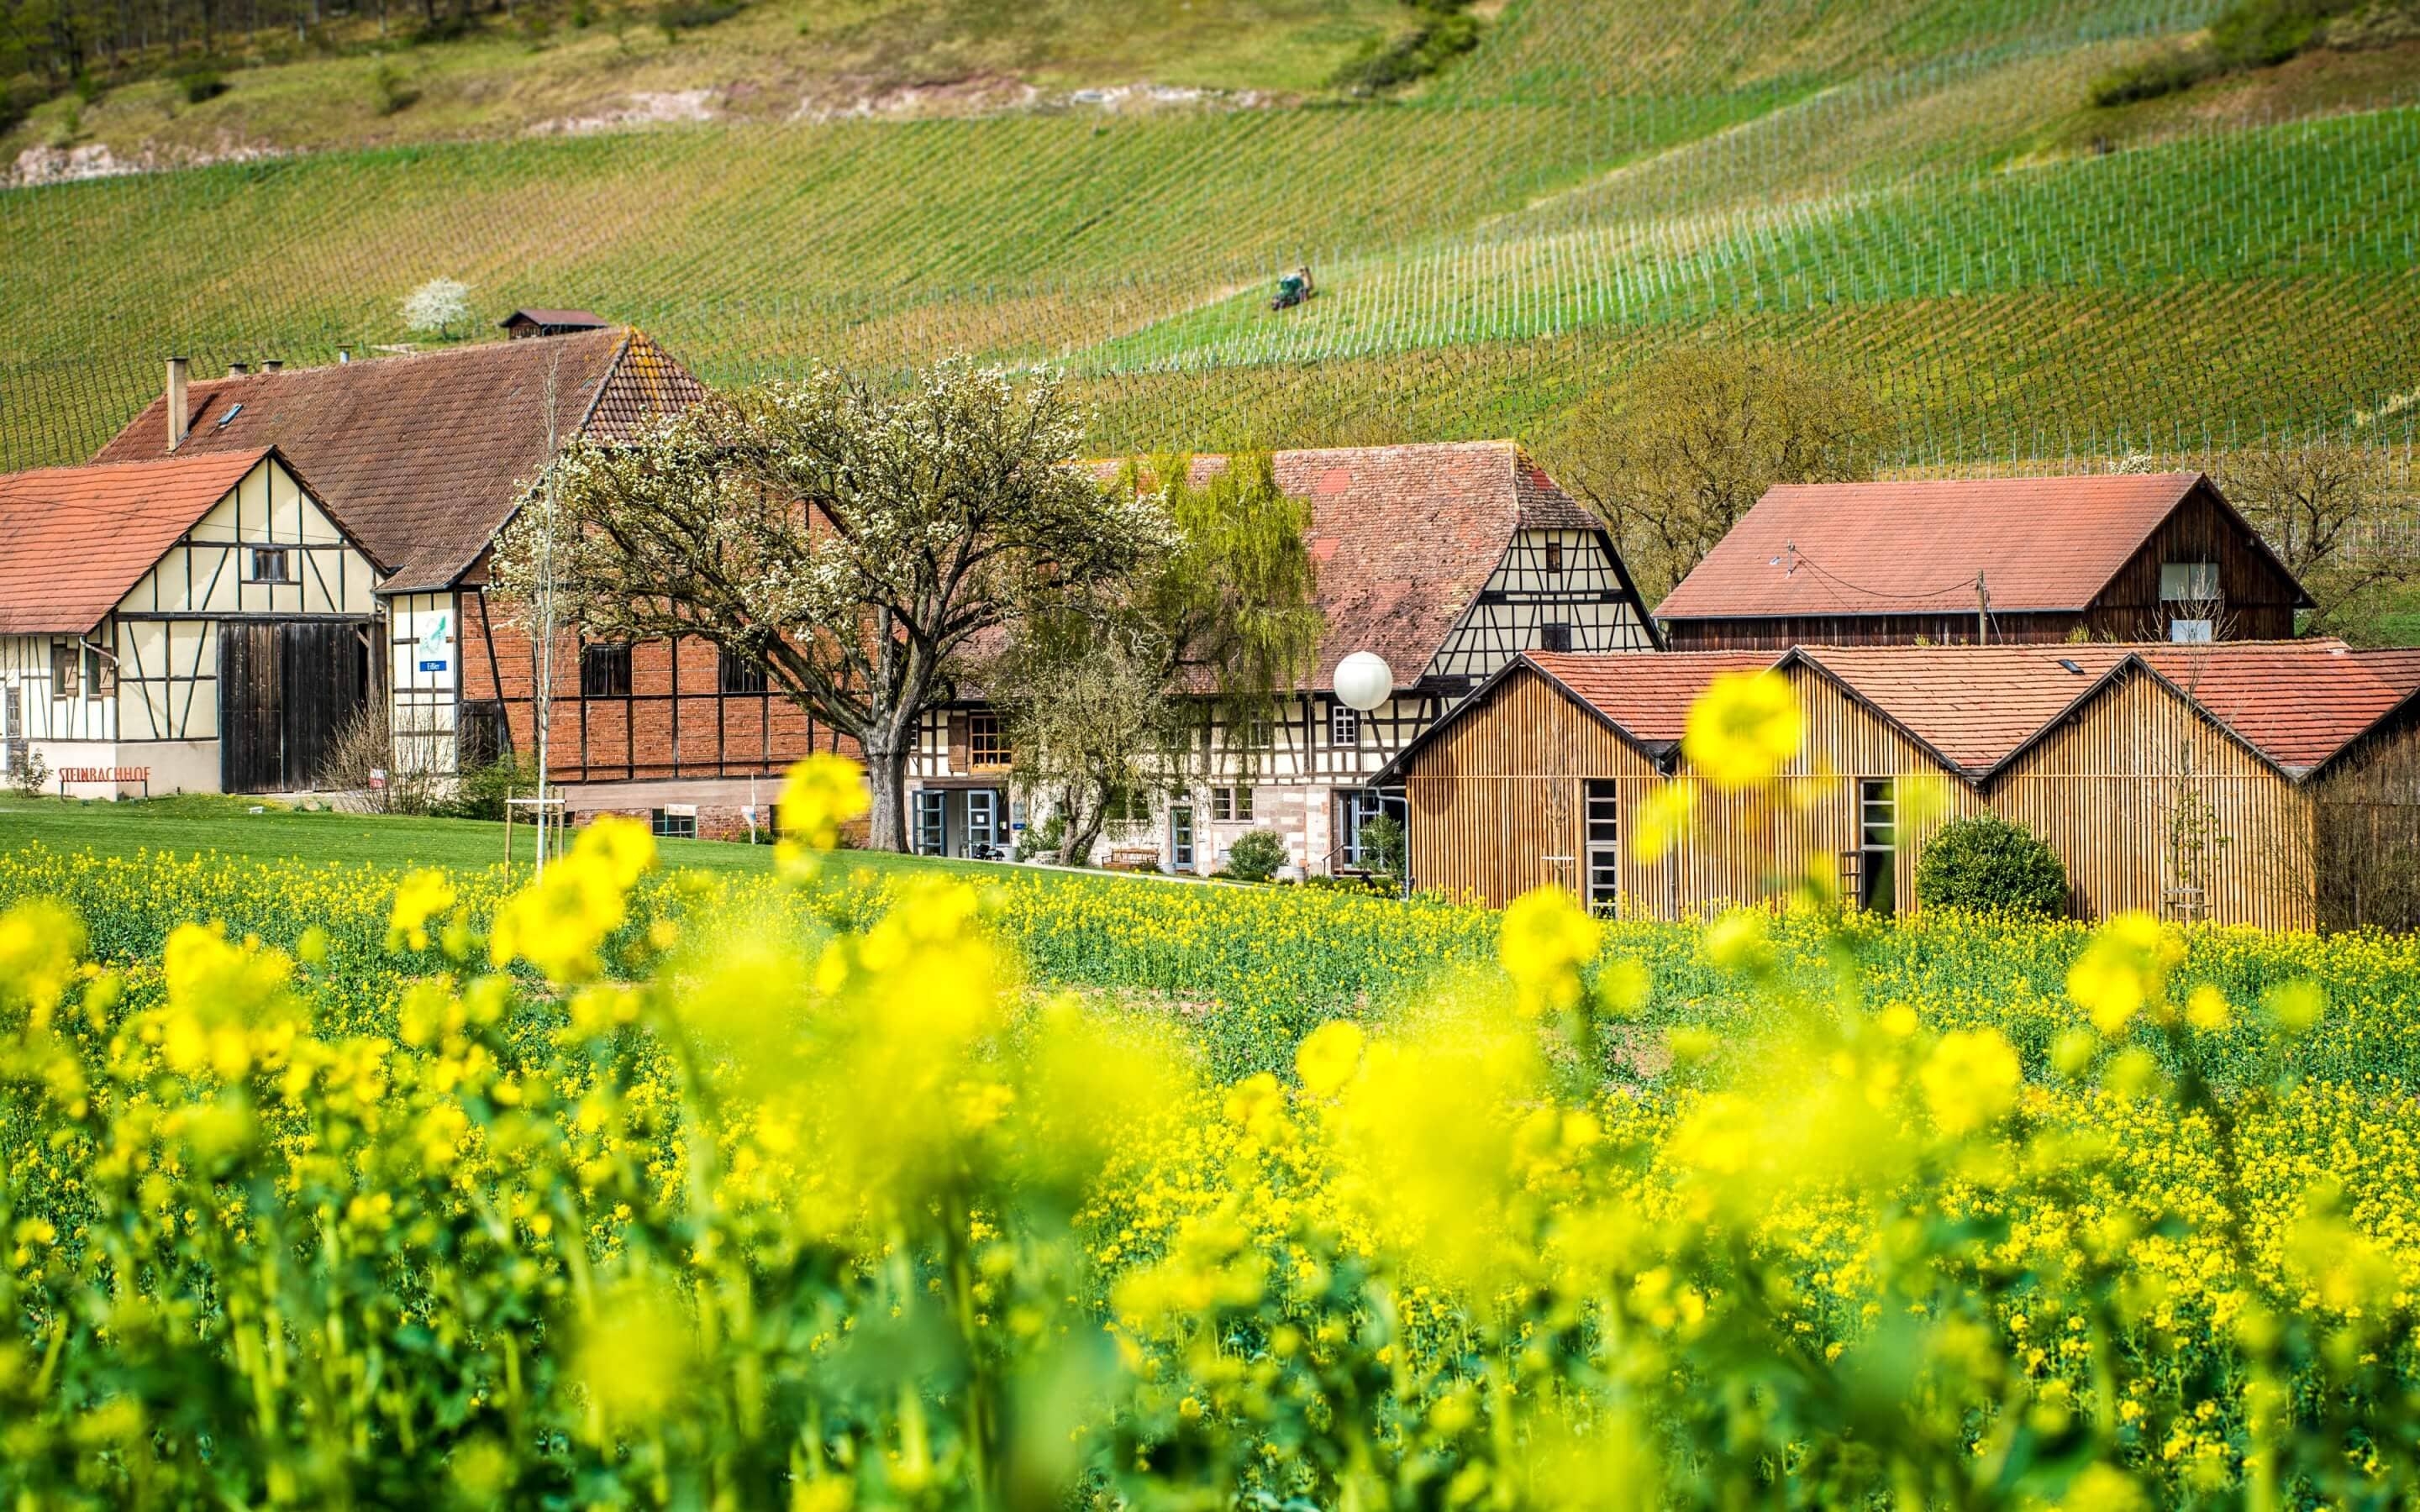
(104, 776)
(1132, 858)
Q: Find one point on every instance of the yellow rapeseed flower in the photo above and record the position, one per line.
(2124, 971)
(1662, 820)
(1328, 1056)
(1969, 1080)
(820, 794)
(1744, 729)
(420, 897)
(1545, 940)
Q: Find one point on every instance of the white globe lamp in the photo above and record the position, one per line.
(1364, 681)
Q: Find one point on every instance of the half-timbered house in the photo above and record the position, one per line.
(426, 456)
(1986, 561)
(198, 624)
(1444, 560)
(2275, 785)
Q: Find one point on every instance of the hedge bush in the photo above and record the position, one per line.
(1256, 856)
(1988, 865)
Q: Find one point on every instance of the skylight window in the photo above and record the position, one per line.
(233, 410)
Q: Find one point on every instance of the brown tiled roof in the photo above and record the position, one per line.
(1645, 693)
(2042, 544)
(556, 318)
(1404, 537)
(425, 455)
(74, 540)
(1973, 706)
(2298, 702)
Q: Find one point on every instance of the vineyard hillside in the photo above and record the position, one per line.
(1921, 191)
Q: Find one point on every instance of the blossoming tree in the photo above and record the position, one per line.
(853, 539)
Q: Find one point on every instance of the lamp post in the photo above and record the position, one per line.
(1363, 681)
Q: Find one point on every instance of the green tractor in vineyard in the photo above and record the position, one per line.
(1293, 288)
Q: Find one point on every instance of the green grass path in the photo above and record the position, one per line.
(187, 825)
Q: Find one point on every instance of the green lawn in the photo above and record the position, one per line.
(189, 825)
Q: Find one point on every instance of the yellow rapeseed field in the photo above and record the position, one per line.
(331, 1187)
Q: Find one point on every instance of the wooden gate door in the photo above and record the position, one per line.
(251, 687)
(287, 690)
(326, 681)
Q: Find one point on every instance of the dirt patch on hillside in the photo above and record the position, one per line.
(995, 94)
(669, 107)
(96, 159)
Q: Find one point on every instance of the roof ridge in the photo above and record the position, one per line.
(166, 459)
(365, 363)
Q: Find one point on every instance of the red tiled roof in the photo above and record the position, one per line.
(423, 456)
(74, 540)
(2042, 544)
(1405, 536)
(2299, 702)
(1973, 706)
(1647, 693)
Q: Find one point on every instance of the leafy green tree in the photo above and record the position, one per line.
(1985, 864)
(858, 541)
(1674, 453)
(1106, 688)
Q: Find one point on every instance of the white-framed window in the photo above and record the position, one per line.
(1230, 804)
(986, 741)
(1344, 727)
(2190, 582)
(270, 564)
(676, 822)
(1877, 844)
(2191, 632)
(1603, 845)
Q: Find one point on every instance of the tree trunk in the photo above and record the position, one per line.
(886, 780)
(1083, 829)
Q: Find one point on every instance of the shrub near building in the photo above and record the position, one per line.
(1988, 865)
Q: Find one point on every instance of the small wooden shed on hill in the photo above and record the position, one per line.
(2275, 785)
(1986, 561)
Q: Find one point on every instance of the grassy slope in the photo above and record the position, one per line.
(770, 62)
(1907, 187)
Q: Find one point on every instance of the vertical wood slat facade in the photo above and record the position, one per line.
(2150, 806)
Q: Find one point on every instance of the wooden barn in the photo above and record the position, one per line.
(198, 624)
(2016, 560)
(2275, 785)
(1444, 560)
(426, 458)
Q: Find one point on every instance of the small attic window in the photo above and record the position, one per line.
(2071, 666)
(233, 410)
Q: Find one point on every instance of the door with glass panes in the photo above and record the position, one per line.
(1601, 817)
(1180, 837)
(1877, 846)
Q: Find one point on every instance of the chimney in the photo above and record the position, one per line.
(272, 365)
(239, 369)
(178, 413)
